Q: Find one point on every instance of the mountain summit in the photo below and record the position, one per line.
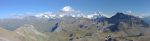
(128, 24)
(121, 17)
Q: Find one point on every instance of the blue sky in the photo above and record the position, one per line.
(9, 8)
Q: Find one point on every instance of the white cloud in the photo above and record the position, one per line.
(67, 9)
(129, 12)
(143, 15)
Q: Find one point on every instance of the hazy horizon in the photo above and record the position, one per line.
(11, 8)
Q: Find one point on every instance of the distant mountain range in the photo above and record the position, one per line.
(53, 16)
(77, 27)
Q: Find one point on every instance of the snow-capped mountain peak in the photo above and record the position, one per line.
(46, 15)
(82, 15)
(90, 16)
